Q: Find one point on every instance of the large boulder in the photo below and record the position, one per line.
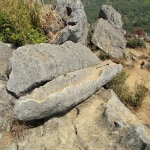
(34, 65)
(108, 34)
(6, 51)
(75, 22)
(108, 38)
(64, 92)
(108, 13)
(86, 127)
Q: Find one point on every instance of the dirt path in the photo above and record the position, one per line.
(140, 75)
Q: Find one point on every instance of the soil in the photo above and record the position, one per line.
(140, 75)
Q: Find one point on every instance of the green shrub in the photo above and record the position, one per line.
(135, 43)
(135, 98)
(104, 55)
(140, 92)
(20, 22)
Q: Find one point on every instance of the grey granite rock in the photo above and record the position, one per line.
(74, 17)
(6, 107)
(34, 65)
(6, 51)
(63, 93)
(85, 128)
(108, 13)
(108, 38)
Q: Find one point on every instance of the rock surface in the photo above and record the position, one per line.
(6, 51)
(6, 108)
(74, 17)
(89, 126)
(64, 92)
(108, 38)
(108, 13)
(34, 65)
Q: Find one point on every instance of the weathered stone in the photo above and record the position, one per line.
(145, 65)
(64, 92)
(127, 58)
(6, 51)
(138, 54)
(108, 38)
(85, 127)
(6, 108)
(116, 113)
(34, 65)
(107, 12)
(147, 39)
(74, 17)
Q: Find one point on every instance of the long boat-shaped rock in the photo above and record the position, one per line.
(64, 92)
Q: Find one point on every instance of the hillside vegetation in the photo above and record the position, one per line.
(20, 22)
(135, 13)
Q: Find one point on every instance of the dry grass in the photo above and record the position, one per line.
(128, 97)
(18, 130)
(51, 23)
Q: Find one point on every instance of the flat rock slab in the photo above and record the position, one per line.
(87, 128)
(64, 92)
(108, 38)
(34, 65)
(137, 54)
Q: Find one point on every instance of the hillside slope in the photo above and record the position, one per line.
(135, 13)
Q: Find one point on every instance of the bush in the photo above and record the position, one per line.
(135, 98)
(20, 22)
(104, 55)
(135, 43)
(140, 92)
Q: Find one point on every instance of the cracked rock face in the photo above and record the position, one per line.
(107, 12)
(74, 17)
(6, 107)
(6, 51)
(108, 34)
(64, 92)
(108, 38)
(34, 65)
(86, 127)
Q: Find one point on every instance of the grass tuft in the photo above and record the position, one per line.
(20, 22)
(128, 97)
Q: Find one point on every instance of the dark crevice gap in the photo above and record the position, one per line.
(69, 11)
(28, 90)
(72, 23)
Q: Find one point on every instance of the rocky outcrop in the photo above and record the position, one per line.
(108, 38)
(108, 13)
(64, 92)
(34, 65)
(6, 108)
(108, 34)
(89, 126)
(75, 22)
(6, 51)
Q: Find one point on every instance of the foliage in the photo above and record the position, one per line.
(135, 98)
(139, 31)
(20, 22)
(104, 55)
(140, 92)
(135, 43)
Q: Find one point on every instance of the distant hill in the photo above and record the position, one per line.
(135, 13)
